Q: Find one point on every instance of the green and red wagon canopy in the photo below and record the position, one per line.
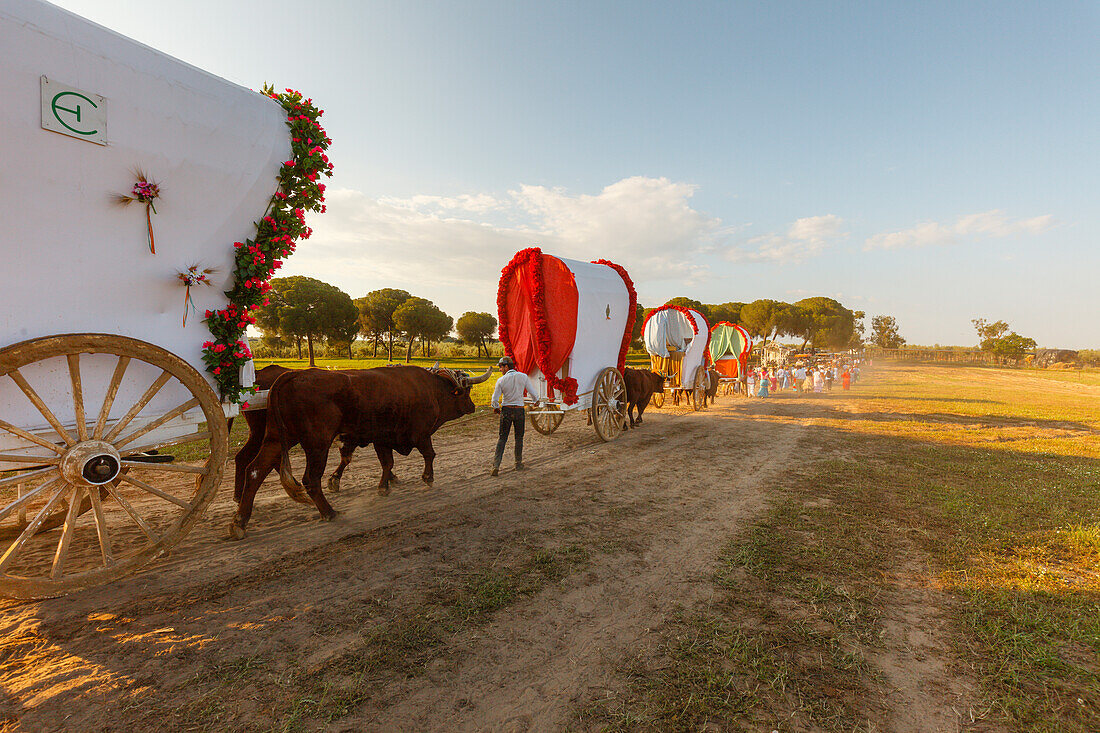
(729, 346)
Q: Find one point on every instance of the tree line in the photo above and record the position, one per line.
(994, 337)
(304, 310)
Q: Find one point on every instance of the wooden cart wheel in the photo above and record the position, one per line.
(699, 389)
(608, 410)
(658, 400)
(120, 512)
(545, 423)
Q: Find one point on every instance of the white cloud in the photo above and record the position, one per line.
(804, 238)
(473, 203)
(647, 222)
(986, 224)
(446, 245)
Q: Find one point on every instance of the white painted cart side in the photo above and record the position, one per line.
(95, 364)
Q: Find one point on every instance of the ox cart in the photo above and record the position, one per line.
(100, 365)
(567, 325)
(730, 345)
(678, 342)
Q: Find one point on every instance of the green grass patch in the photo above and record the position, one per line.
(1013, 525)
(784, 643)
(480, 394)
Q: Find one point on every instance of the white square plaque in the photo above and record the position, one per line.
(74, 112)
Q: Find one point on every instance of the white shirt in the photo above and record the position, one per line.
(509, 389)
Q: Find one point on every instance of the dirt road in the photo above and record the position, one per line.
(481, 603)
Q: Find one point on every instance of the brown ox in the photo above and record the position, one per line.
(396, 408)
(641, 385)
(257, 426)
(712, 384)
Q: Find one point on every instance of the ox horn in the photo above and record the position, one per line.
(482, 378)
(436, 365)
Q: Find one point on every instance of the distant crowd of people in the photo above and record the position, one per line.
(819, 377)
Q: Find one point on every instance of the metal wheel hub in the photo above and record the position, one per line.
(91, 463)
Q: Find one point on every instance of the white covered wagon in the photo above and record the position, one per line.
(567, 325)
(678, 341)
(97, 370)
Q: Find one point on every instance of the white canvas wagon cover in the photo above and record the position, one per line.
(673, 328)
(76, 261)
(563, 321)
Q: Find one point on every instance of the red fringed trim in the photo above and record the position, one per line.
(691, 320)
(567, 387)
(631, 315)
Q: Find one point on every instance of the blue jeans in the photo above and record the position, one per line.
(510, 417)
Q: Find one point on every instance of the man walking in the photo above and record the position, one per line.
(508, 403)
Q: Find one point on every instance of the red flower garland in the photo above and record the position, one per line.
(256, 260)
(568, 386)
(631, 315)
(691, 320)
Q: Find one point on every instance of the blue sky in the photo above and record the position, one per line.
(932, 161)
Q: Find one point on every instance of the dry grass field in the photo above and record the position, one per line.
(921, 553)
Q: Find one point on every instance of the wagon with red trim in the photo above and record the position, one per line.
(730, 345)
(678, 342)
(122, 327)
(567, 325)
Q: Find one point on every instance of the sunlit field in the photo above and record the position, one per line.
(949, 510)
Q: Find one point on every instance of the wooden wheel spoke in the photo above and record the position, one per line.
(113, 490)
(31, 529)
(170, 467)
(138, 406)
(148, 427)
(109, 399)
(27, 498)
(155, 491)
(137, 397)
(189, 438)
(41, 406)
(101, 530)
(66, 533)
(26, 476)
(24, 458)
(78, 395)
(30, 437)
